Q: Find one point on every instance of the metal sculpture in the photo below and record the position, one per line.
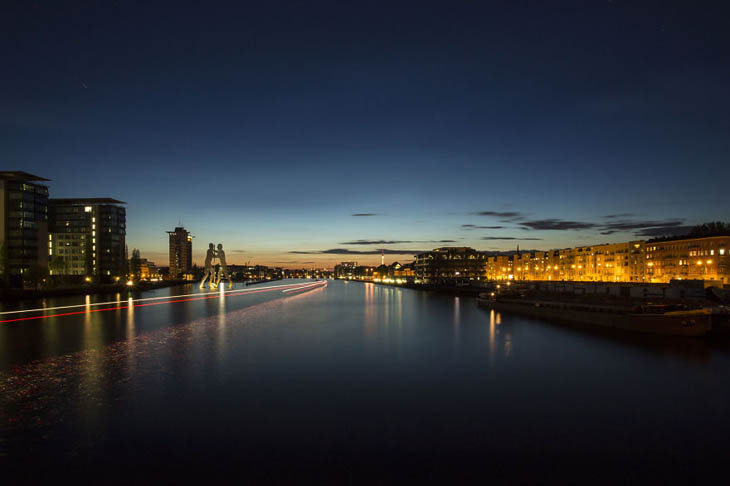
(223, 271)
(208, 271)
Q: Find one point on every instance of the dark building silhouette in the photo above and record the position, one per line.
(23, 227)
(449, 265)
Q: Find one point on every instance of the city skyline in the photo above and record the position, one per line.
(323, 133)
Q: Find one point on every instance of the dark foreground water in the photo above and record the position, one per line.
(354, 383)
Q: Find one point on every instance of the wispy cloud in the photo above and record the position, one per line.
(614, 225)
(365, 214)
(509, 238)
(556, 224)
(345, 251)
(503, 215)
(474, 226)
(619, 215)
(392, 242)
(664, 231)
(641, 225)
(375, 242)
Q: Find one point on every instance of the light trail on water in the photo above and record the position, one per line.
(164, 300)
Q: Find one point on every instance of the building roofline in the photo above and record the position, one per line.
(86, 200)
(19, 175)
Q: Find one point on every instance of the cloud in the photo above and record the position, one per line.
(506, 215)
(474, 226)
(392, 242)
(236, 251)
(365, 214)
(640, 225)
(345, 251)
(556, 224)
(618, 215)
(374, 242)
(665, 231)
(297, 262)
(509, 238)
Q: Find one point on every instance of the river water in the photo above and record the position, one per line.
(351, 382)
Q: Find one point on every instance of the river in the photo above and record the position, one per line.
(354, 381)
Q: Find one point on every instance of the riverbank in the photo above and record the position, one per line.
(16, 294)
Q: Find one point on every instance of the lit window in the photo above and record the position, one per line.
(722, 251)
(87, 209)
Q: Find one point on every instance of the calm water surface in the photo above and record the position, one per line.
(356, 382)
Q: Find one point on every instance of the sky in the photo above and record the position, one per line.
(301, 134)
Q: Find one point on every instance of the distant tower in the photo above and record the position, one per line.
(382, 256)
(518, 250)
(181, 252)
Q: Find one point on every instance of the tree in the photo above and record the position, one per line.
(135, 264)
(705, 230)
(714, 228)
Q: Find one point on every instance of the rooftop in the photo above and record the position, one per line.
(86, 200)
(19, 175)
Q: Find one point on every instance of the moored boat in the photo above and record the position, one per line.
(674, 320)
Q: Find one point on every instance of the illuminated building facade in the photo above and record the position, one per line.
(345, 269)
(394, 273)
(633, 261)
(23, 226)
(689, 259)
(620, 262)
(87, 237)
(449, 264)
(148, 270)
(181, 253)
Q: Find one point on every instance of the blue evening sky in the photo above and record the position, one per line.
(266, 126)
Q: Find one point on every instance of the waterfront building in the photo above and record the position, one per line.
(394, 273)
(634, 261)
(181, 253)
(449, 265)
(345, 269)
(620, 262)
(380, 273)
(148, 270)
(23, 227)
(87, 237)
(689, 259)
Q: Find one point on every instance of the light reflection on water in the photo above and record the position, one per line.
(492, 337)
(338, 368)
(457, 322)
